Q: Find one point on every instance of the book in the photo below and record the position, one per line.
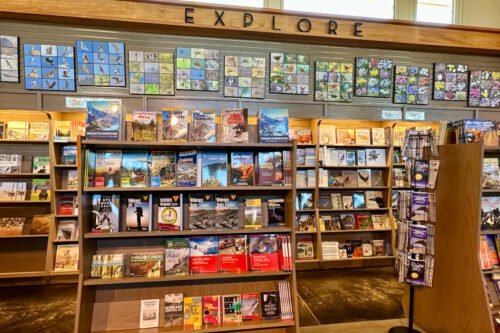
(187, 172)
(347, 222)
(375, 157)
(10, 163)
(107, 266)
(174, 125)
(336, 200)
(347, 201)
(269, 301)
(202, 127)
(14, 191)
(66, 258)
(420, 174)
(103, 120)
(306, 222)
(250, 308)
(276, 212)
(378, 248)
(134, 170)
(361, 157)
(490, 130)
(2, 129)
(266, 168)
(40, 189)
(174, 310)
(62, 130)
(232, 309)
(139, 212)
(226, 211)
(380, 221)
(306, 200)
(193, 310)
(357, 249)
(377, 178)
(11, 226)
(362, 136)
(364, 177)
(143, 125)
(17, 130)
(150, 312)
(489, 218)
(367, 249)
(214, 169)
(232, 253)
(328, 134)
(305, 248)
(263, 251)
(358, 200)
(70, 179)
(350, 158)
(416, 272)
(68, 156)
(162, 168)
(491, 175)
(40, 224)
(346, 136)
(211, 310)
(253, 213)
(378, 136)
(235, 125)
(304, 136)
(108, 168)
(204, 254)
(148, 265)
(374, 199)
(170, 211)
(363, 222)
(242, 169)
(201, 211)
(417, 240)
(105, 213)
(67, 230)
(38, 130)
(177, 256)
(273, 126)
(350, 178)
(419, 206)
(41, 164)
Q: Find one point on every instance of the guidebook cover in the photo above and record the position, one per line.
(187, 168)
(242, 168)
(177, 256)
(170, 212)
(134, 168)
(143, 125)
(139, 212)
(235, 125)
(226, 211)
(204, 254)
(108, 166)
(174, 310)
(232, 253)
(202, 126)
(263, 252)
(273, 126)
(174, 125)
(162, 168)
(201, 211)
(103, 120)
(105, 213)
(214, 169)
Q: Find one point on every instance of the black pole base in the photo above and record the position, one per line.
(402, 329)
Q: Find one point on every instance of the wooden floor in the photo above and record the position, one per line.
(376, 326)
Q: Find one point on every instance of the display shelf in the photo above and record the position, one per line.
(491, 271)
(186, 189)
(306, 261)
(489, 232)
(99, 144)
(65, 216)
(65, 166)
(23, 175)
(63, 273)
(306, 166)
(360, 259)
(305, 232)
(354, 146)
(491, 190)
(65, 191)
(24, 142)
(17, 275)
(27, 236)
(353, 210)
(305, 210)
(56, 241)
(354, 231)
(20, 202)
(353, 167)
(306, 188)
(354, 188)
(398, 165)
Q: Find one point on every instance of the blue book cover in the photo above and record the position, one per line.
(139, 212)
(214, 169)
(162, 168)
(273, 126)
(473, 130)
(187, 168)
(202, 126)
(242, 168)
(420, 177)
(134, 168)
(103, 120)
(174, 125)
(105, 213)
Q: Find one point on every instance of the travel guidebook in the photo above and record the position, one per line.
(103, 120)
(491, 176)
(273, 126)
(211, 310)
(170, 212)
(187, 171)
(193, 312)
(143, 125)
(41, 164)
(214, 169)
(235, 125)
(139, 212)
(232, 309)
(202, 128)
(242, 168)
(226, 211)
(105, 213)
(174, 125)
(204, 254)
(263, 252)
(108, 167)
(201, 211)
(174, 310)
(177, 256)
(134, 168)
(232, 253)
(162, 168)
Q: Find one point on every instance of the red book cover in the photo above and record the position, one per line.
(232, 254)
(211, 310)
(263, 252)
(281, 256)
(484, 253)
(250, 309)
(204, 254)
(363, 222)
(66, 205)
(99, 181)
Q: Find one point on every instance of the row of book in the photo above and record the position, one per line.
(351, 178)
(335, 250)
(400, 177)
(15, 163)
(490, 213)
(140, 168)
(68, 155)
(473, 130)
(361, 221)
(38, 190)
(68, 130)
(306, 156)
(195, 255)
(213, 311)
(488, 251)
(24, 130)
(359, 157)
(305, 178)
(356, 200)
(205, 212)
(330, 135)
(14, 226)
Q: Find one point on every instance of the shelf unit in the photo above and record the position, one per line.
(98, 298)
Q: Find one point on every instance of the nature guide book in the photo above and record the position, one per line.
(177, 256)
(41, 164)
(362, 136)
(174, 310)
(39, 130)
(276, 212)
(269, 302)
(202, 127)
(162, 168)
(107, 266)
(103, 120)
(108, 168)
(17, 130)
(201, 211)
(491, 175)
(204, 254)
(232, 309)
(214, 169)
(273, 126)
(375, 157)
(242, 169)
(419, 206)
(266, 168)
(148, 265)
(150, 313)
(187, 172)
(134, 172)
(62, 130)
(12, 226)
(105, 213)
(143, 125)
(363, 222)
(193, 312)
(226, 211)
(250, 307)
(235, 125)
(174, 125)
(378, 136)
(170, 211)
(211, 310)
(263, 252)
(253, 213)
(232, 253)
(139, 212)
(40, 189)
(420, 174)
(66, 257)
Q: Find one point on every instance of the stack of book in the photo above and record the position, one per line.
(24, 130)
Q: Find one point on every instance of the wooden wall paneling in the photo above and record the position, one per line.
(202, 103)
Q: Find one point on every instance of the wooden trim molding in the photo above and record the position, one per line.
(258, 24)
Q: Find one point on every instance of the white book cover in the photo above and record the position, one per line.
(378, 136)
(150, 310)
(375, 157)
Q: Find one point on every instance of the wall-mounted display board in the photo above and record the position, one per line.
(244, 77)
(197, 69)
(9, 59)
(450, 82)
(411, 85)
(49, 67)
(373, 77)
(151, 73)
(100, 63)
(333, 81)
(484, 89)
(289, 73)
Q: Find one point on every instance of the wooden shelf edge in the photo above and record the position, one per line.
(27, 236)
(17, 275)
(65, 216)
(176, 145)
(359, 259)
(185, 189)
(23, 174)
(353, 231)
(353, 210)
(24, 201)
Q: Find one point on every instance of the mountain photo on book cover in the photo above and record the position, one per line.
(103, 120)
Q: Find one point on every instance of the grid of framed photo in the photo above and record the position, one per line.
(49, 67)
(197, 69)
(100, 63)
(411, 85)
(484, 90)
(373, 77)
(151, 73)
(450, 82)
(333, 81)
(289, 73)
(244, 76)
(9, 59)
